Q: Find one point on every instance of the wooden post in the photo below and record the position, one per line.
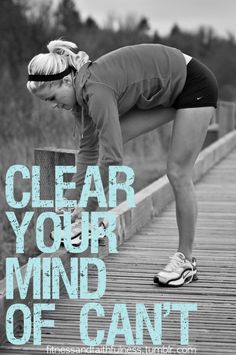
(225, 116)
(234, 115)
(212, 135)
(47, 159)
(1, 231)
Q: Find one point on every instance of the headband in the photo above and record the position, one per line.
(50, 77)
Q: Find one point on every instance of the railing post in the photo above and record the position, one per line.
(234, 115)
(47, 159)
(1, 230)
(225, 116)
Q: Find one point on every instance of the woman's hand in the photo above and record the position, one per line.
(75, 212)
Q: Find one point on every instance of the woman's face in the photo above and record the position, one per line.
(59, 95)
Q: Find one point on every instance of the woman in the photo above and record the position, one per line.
(149, 78)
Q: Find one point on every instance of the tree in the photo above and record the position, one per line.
(156, 37)
(143, 25)
(14, 33)
(175, 31)
(91, 23)
(67, 18)
(129, 23)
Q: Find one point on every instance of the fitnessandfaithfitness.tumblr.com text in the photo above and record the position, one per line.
(164, 349)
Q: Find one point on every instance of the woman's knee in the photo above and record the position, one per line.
(178, 175)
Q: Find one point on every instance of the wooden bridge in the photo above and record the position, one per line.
(147, 236)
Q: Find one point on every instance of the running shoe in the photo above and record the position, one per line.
(177, 272)
(76, 234)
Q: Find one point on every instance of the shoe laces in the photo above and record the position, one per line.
(175, 262)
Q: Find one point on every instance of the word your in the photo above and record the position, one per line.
(90, 228)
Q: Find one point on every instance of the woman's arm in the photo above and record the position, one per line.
(103, 110)
(88, 155)
(101, 125)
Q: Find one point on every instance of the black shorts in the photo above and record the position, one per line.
(200, 89)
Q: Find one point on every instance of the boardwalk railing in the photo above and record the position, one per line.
(223, 122)
(149, 202)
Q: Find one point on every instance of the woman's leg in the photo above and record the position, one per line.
(137, 122)
(189, 131)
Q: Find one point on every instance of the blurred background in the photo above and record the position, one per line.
(205, 29)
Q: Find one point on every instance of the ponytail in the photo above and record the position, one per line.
(62, 54)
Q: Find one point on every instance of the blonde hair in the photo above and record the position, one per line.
(62, 54)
